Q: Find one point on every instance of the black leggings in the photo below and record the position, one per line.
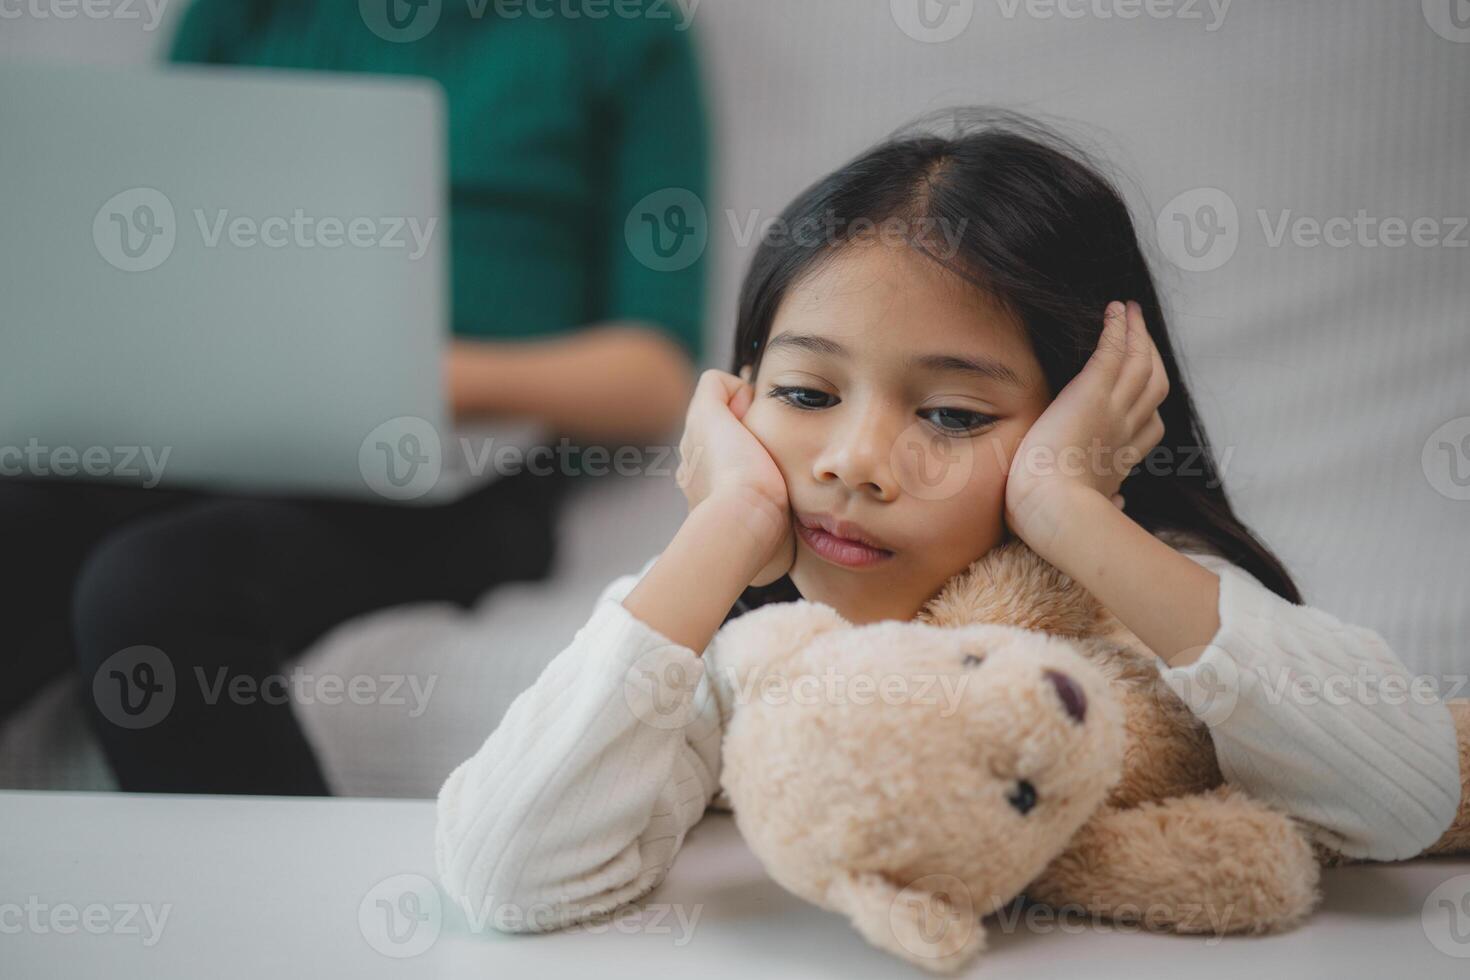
(180, 610)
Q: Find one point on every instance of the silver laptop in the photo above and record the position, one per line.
(228, 279)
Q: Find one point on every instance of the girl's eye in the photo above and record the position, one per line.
(953, 421)
(790, 396)
(960, 421)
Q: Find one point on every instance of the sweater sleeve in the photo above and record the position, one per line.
(1322, 720)
(578, 801)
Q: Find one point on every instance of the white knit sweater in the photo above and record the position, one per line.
(578, 802)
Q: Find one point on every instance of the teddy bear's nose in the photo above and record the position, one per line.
(1071, 694)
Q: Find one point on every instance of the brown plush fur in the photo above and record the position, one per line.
(1169, 752)
(901, 816)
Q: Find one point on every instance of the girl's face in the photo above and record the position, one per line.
(892, 395)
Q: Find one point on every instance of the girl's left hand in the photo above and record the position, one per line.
(1101, 424)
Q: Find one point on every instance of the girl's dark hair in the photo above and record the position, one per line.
(1044, 233)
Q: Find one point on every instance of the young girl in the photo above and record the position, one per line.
(950, 341)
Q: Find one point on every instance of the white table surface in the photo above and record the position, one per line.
(281, 888)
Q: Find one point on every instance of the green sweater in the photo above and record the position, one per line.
(559, 126)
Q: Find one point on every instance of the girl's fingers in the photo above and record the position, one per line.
(1160, 377)
(1138, 364)
(1154, 391)
(1112, 343)
(710, 387)
(740, 404)
(730, 384)
(1146, 435)
(719, 383)
(1151, 434)
(718, 388)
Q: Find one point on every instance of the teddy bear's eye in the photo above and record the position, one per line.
(971, 660)
(1024, 798)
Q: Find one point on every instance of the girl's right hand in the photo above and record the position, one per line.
(719, 456)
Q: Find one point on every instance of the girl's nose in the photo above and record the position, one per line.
(858, 453)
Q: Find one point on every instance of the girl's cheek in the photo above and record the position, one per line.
(965, 472)
(987, 487)
(759, 420)
(1000, 451)
(781, 437)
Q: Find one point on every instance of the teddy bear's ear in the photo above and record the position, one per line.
(772, 632)
(1014, 586)
(932, 923)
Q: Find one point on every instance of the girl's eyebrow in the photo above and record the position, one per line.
(986, 368)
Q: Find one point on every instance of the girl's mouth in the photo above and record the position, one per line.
(840, 551)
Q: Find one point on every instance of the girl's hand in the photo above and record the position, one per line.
(719, 456)
(1101, 424)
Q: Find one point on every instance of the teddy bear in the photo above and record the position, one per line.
(1013, 739)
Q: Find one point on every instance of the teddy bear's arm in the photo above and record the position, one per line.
(1218, 862)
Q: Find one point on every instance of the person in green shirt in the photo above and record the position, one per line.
(577, 158)
(561, 121)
